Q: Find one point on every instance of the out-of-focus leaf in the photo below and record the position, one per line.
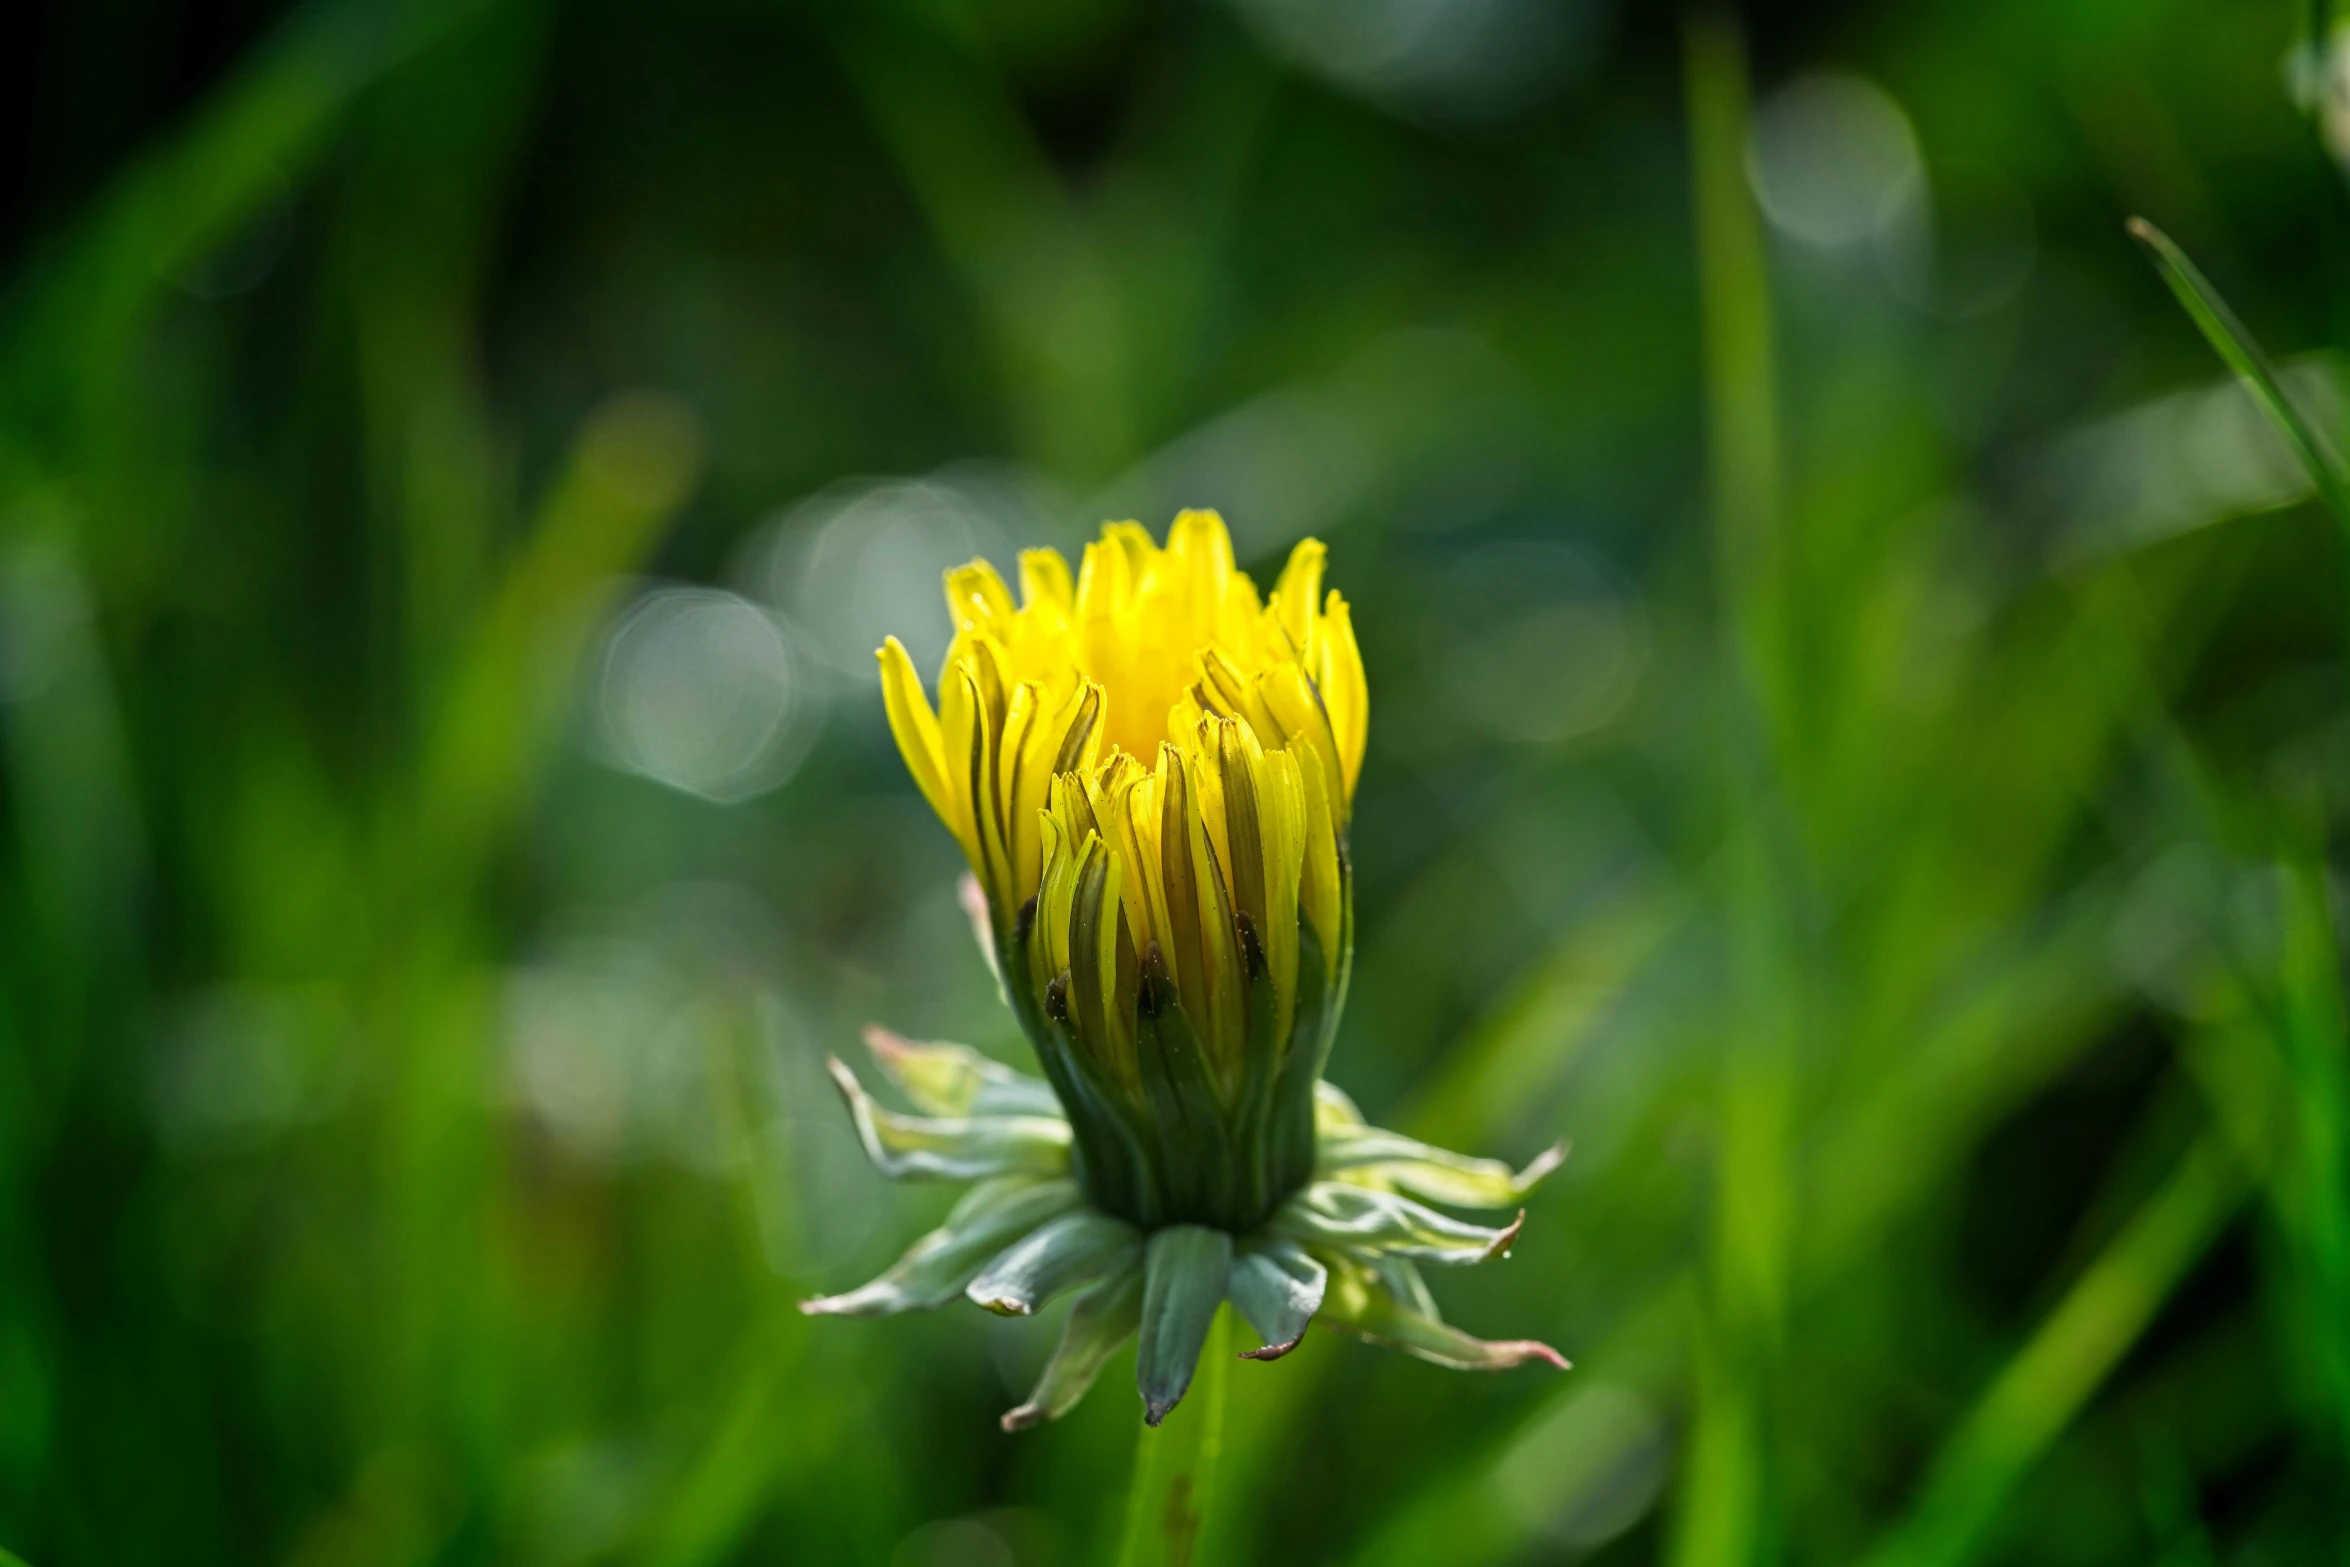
(2311, 1184)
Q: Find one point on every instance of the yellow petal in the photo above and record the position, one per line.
(967, 728)
(1233, 764)
(1134, 540)
(1201, 553)
(977, 598)
(1207, 789)
(1051, 929)
(1344, 693)
(1180, 938)
(1183, 720)
(1231, 694)
(1144, 817)
(1024, 770)
(1199, 539)
(1044, 580)
(914, 726)
(1074, 809)
(1223, 1025)
(1105, 593)
(1081, 736)
(1301, 719)
(1120, 973)
(1101, 964)
(1295, 596)
(1280, 802)
(1320, 893)
(1109, 790)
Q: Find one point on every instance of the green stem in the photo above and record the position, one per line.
(1175, 1465)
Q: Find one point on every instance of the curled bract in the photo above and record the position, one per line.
(1343, 1251)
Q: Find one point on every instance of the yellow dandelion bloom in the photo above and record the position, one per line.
(1156, 738)
(1150, 769)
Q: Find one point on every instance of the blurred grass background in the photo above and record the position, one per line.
(1858, 740)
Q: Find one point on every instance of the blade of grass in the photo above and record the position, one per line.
(2236, 347)
(2045, 1386)
(1725, 1504)
(2002, 1047)
(2278, 1075)
(2313, 1195)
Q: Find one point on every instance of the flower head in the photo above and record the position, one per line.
(1130, 658)
(1151, 770)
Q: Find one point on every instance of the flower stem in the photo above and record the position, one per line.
(1175, 1465)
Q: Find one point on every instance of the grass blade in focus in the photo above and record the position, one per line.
(2236, 347)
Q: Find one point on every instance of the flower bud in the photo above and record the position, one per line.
(1149, 770)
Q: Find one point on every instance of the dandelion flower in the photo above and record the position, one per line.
(1151, 770)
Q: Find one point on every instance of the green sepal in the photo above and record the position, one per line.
(1358, 1301)
(1074, 1249)
(1331, 1213)
(1194, 1141)
(956, 1080)
(913, 1147)
(1289, 1139)
(1340, 969)
(1100, 1320)
(1436, 1174)
(1278, 1286)
(1262, 1055)
(935, 1268)
(1107, 1154)
(1185, 1268)
(1124, 1175)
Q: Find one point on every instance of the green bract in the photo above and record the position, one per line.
(1341, 1245)
(1340, 1248)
